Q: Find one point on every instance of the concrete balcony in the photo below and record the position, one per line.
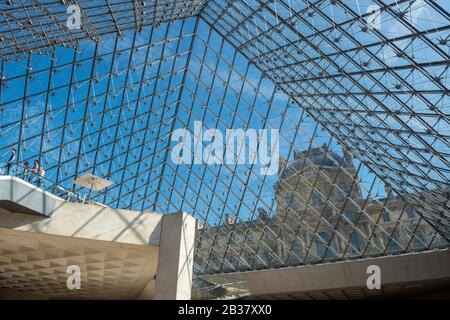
(121, 254)
(17, 195)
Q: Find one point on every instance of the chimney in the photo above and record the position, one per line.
(282, 162)
(347, 157)
(388, 189)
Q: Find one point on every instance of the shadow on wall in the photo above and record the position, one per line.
(29, 208)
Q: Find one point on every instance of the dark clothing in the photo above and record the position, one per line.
(10, 163)
(8, 168)
(12, 158)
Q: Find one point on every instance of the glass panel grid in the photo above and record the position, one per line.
(360, 113)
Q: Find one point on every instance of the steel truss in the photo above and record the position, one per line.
(362, 114)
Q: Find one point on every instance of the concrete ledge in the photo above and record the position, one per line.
(82, 234)
(347, 276)
(90, 222)
(19, 193)
(28, 208)
(49, 228)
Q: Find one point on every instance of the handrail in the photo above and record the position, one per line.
(41, 181)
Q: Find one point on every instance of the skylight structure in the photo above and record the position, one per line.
(355, 93)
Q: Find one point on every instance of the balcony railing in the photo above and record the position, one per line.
(21, 172)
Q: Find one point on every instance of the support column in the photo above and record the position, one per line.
(176, 255)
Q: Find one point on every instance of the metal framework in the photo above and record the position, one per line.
(358, 90)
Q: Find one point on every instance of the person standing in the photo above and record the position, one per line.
(34, 172)
(41, 174)
(11, 160)
(26, 171)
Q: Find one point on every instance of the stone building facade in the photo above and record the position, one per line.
(321, 215)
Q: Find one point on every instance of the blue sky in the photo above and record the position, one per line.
(144, 126)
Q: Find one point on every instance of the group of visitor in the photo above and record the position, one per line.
(34, 175)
